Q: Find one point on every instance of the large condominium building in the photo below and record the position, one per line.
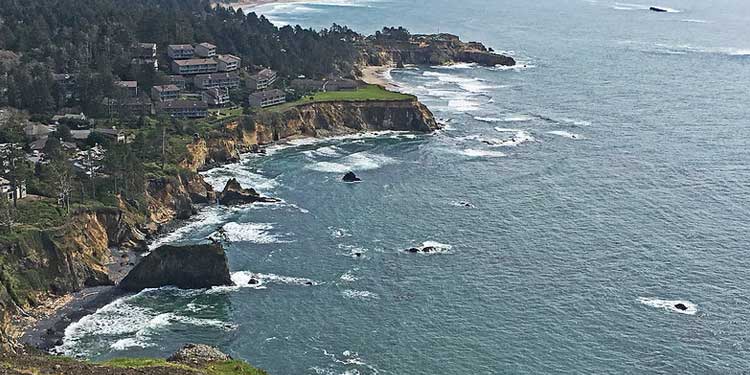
(268, 98)
(217, 80)
(205, 50)
(184, 108)
(194, 66)
(130, 88)
(180, 51)
(228, 63)
(164, 93)
(216, 97)
(144, 50)
(261, 81)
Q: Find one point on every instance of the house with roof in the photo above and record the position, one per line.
(216, 80)
(177, 80)
(184, 108)
(206, 50)
(130, 87)
(228, 63)
(8, 192)
(216, 97)
(267, 98)
(113, 134)
(180, 51)
(36, 131)
(262, 80)
(163, 93)
(144, 50)
(194, 66)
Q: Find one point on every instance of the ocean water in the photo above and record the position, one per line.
(606, 178)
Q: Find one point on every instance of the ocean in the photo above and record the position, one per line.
(573, 200)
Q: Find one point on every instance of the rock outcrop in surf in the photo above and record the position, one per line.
(351, 177)
(186, 267)
(234, 194)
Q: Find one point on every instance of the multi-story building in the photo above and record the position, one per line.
(205, 50)
(129, 87)
(262, 80)
(184, 108)
(267, 98)
(216, 80)
(216, 97)
(7, 191)
(178, 81)
(228, 63)
(145, 50)
(194, 66)
(180, 51)
(164, 93)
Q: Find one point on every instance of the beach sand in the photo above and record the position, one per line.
(376, 75)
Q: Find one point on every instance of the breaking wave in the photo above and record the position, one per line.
(360, 161)
(669, 305)
(259, 233)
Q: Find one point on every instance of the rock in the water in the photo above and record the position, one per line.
(351, 177)
(428, 249)
(234, 194)
(186, 267)
(412, 250)
(657, 9)
(681, 307)
(253, 281)
(198, 354)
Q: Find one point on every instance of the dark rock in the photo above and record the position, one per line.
(681, 307)
(357, 255)
(234, 194)
(412, 250)
(657, 9)
(188, 267)
(198, 354)
(428, 249)
(351, 177)
(309, 283)
(253, 281)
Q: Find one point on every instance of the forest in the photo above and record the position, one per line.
(93, 39)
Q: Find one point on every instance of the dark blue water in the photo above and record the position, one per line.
(607, 176)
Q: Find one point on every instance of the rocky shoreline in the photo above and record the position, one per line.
(175, 201)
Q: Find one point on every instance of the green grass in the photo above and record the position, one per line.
(142, 363)
(363, 94)
(218, 368)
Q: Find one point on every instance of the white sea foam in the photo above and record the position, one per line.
(694, 21)
(219, 176)
(326, 152)
(359, 294)
(360, 161)
(259, 233)
(208, 217)
(488, 119)
(565, 134)
(670, 305)
(241, 279)
(352, 251)
(517, 118)
(575, 122)
(348, 276)
(632, 6)
(339, 232)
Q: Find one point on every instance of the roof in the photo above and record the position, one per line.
(128, 84)
(176, 77)
(163, 88)
(38, 144)
(267, 94)
(195, 62)
(217, 93)
(217, 76)
(183, 104)
(228, 59)
(109, 131)
(207, 45)
(266, 73)
(147, 45)
(180, 46)
(37, 129)
(80, 134)
(4, 181)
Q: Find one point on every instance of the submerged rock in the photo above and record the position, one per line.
(351, 177)
(412, 250)
(681, 307)
(234, 194)
(657, 9)
(198, 354)
(186, 267)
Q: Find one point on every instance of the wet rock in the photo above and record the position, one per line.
(351, 177)
(412, 250)
(234, 194)
(253, 281)
(429, 249)
(657, 9)
(681, 307)
(198, 354)
(186, 267)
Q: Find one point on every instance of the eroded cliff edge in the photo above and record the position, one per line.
(40, 264)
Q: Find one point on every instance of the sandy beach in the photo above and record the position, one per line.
(377, 75)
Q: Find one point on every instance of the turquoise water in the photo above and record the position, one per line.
(608, 178)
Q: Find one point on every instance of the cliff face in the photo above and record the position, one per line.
(437, 49)
(36, 264)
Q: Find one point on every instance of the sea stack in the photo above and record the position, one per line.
(186, 267)
(351, 177)
(234, 194)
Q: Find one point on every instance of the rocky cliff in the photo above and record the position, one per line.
(41, 263)
(435, 49)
